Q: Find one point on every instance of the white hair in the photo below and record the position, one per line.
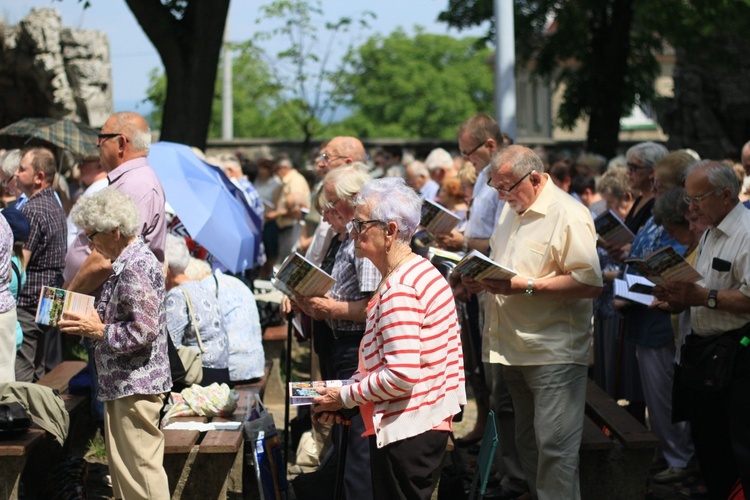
(105, 211)
(391, 200)
(176, 254)
(437, 159)
(11, 161)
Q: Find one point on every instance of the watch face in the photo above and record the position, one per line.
(711, 302)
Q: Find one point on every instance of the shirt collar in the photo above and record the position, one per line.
(731, 221)
(127, 167)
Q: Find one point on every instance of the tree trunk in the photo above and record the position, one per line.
(610, 45)
(189, 47)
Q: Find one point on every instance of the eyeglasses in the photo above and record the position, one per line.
(506, 192)
(695, 199)
(358, 225)
(326, 158)
(330, 206)
(466, 155)
(103, 137)
(90, 237)
(632, 167)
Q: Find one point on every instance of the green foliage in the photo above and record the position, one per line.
(302, 69)
(415, 87)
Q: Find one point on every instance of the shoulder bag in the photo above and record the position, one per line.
(191, 356)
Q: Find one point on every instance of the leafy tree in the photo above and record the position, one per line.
(415, 87)
(254, 101)
(303, 68)
(602, 50)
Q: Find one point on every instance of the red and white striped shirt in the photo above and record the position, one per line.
(412, 354)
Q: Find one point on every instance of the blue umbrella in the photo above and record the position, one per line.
(211, 208)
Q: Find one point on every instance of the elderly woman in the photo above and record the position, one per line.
(129, 335)
(410, 381)
(194, 315)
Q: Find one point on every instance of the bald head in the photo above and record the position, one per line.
(125, 136)
(135, 128)
(746, 157)
(342, 150)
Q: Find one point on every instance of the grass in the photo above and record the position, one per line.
(96, 449)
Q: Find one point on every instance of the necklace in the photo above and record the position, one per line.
(398, 264)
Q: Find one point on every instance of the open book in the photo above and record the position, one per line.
(478, 266)
(665, 265)
(53, 302)
(635, 288)
(302, 276)
(302, 393)
(444, 254)
(437, 219)
(611, 229)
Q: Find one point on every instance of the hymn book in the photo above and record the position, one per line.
(665, 265)
(297, 274)
(478, 266)
(53, 302)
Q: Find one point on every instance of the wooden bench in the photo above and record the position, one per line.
(208, 464)
(274, 343)
(14, 453)
(616, 449)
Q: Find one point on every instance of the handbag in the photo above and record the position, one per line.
(191, 356)
(710, 363)
(14, 419)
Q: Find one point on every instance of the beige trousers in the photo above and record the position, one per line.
(8, 346)
(135, 447)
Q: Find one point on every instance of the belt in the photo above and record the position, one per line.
(342, 334)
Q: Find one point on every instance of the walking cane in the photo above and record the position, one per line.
(340, 469)
(288, 378)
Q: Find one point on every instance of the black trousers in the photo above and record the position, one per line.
(407, 469)
(720, 426)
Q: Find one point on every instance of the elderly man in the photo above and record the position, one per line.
(93, 177)
(719, 311)
(440, 165)
(44, 254)
(123, 147)
(418, 177)
(537, 323)
(293, 197)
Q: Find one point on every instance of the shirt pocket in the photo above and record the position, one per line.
(530, 258)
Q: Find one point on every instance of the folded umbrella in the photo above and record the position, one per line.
(76, 137)
(210, 212)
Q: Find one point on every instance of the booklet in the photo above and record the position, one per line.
(665, 265)
(437, 219)
(611, 229)
(302, 393)
(53, 302)
(444, 254)
(639, 284)
(478, 266)
(302, 276)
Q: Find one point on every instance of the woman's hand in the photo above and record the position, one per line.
(90, 325)
(316, 307)
(329, 400)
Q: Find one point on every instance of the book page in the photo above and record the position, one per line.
(622, 292)
(302, 276)
(477, 266)
(671, 266)
(302, 393)
(437, 219)
(53, 302)
(612, 230)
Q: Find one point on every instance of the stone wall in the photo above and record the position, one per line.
(47, 70)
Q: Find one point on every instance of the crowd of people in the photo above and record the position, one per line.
(406, 332)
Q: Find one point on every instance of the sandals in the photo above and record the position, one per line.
(693, 487)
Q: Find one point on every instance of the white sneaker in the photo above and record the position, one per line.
(671, 475)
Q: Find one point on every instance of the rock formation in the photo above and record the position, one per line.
(47, 70)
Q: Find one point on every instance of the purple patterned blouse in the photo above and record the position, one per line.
(132, 358)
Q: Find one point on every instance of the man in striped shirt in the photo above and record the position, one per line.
(719, 306)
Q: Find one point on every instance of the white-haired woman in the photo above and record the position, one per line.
(129, 339)
(185, 293)
(410, 381)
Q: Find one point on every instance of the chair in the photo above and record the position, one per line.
(485, 458)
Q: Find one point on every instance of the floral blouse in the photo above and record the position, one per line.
(132, 358)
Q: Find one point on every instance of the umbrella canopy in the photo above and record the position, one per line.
(207, 208)
(76, 137)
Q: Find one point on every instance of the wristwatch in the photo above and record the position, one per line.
(529, 287)
(712, 299)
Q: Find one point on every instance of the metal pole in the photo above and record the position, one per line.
(505, 63)
(227, 119)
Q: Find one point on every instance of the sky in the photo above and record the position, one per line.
(133, 56)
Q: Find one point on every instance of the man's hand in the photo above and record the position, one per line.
(472, 285)
(450, 241)
(497, 287)
(316, 307)
(680, 296)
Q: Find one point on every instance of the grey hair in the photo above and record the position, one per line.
(391, 200)
(719, 175)
(647, 152)
(670, 208)
(419, 169)
(107, 210)
(197, 269)
(438, 158)
(347, 180)
(522, 159)
(136, 128)
(176, 254)
(11, 161)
